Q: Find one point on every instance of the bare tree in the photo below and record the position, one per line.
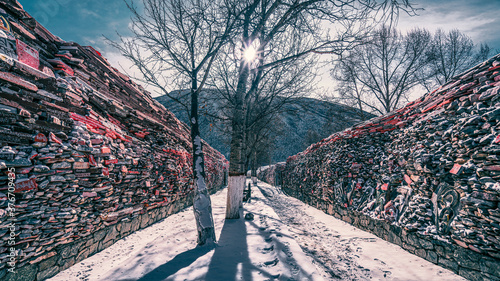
(351, 91)
(296, 27)
(280, 85)
(450, 54)
(272, 88)
(261, 144)
(379, 74)
(176, 42)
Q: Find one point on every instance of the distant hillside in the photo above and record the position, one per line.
(302, 122)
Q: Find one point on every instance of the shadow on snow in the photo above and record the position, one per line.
(230, 259)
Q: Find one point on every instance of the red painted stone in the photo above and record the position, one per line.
(41, 138)
(54, 138)
(24, 170)
(26, 185)
(96, 141)
(27, 54)
(92, 160)
(140, 135)
(494, 68)
(456, 169)
(112, 161)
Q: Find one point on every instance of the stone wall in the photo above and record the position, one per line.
(87, 156)
(272, 174)
(63, 256)
(425, 176)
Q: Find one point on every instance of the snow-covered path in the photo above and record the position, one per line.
(345, 252)
(265, 248)
(258, 249)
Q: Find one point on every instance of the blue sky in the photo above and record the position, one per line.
(479, 19)
(86, 21)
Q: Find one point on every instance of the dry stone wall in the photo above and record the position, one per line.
(425, 177)
(86, 155)
(272, 174)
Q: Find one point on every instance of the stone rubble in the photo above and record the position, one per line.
(431, 168)
(87, 148)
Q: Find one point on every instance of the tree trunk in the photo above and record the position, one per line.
(236, 156)
(201, 204)
(254, 168)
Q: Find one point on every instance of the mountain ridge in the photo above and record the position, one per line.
(301, 122)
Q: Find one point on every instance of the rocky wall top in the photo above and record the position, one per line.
(432, 166)
(82, 145)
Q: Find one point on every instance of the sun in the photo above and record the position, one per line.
(250, 53)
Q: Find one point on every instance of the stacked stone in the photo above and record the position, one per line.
(85, 153)
(431, 167)
(272, 174)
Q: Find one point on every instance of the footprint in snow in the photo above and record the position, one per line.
(274, 277)
(268, 249)
(294, 269)
(286, 250)
(271, 263)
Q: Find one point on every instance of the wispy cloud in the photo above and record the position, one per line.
(85, 13)
(478, 19)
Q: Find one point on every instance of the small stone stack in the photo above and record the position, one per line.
(430, 169)
(86, 155)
